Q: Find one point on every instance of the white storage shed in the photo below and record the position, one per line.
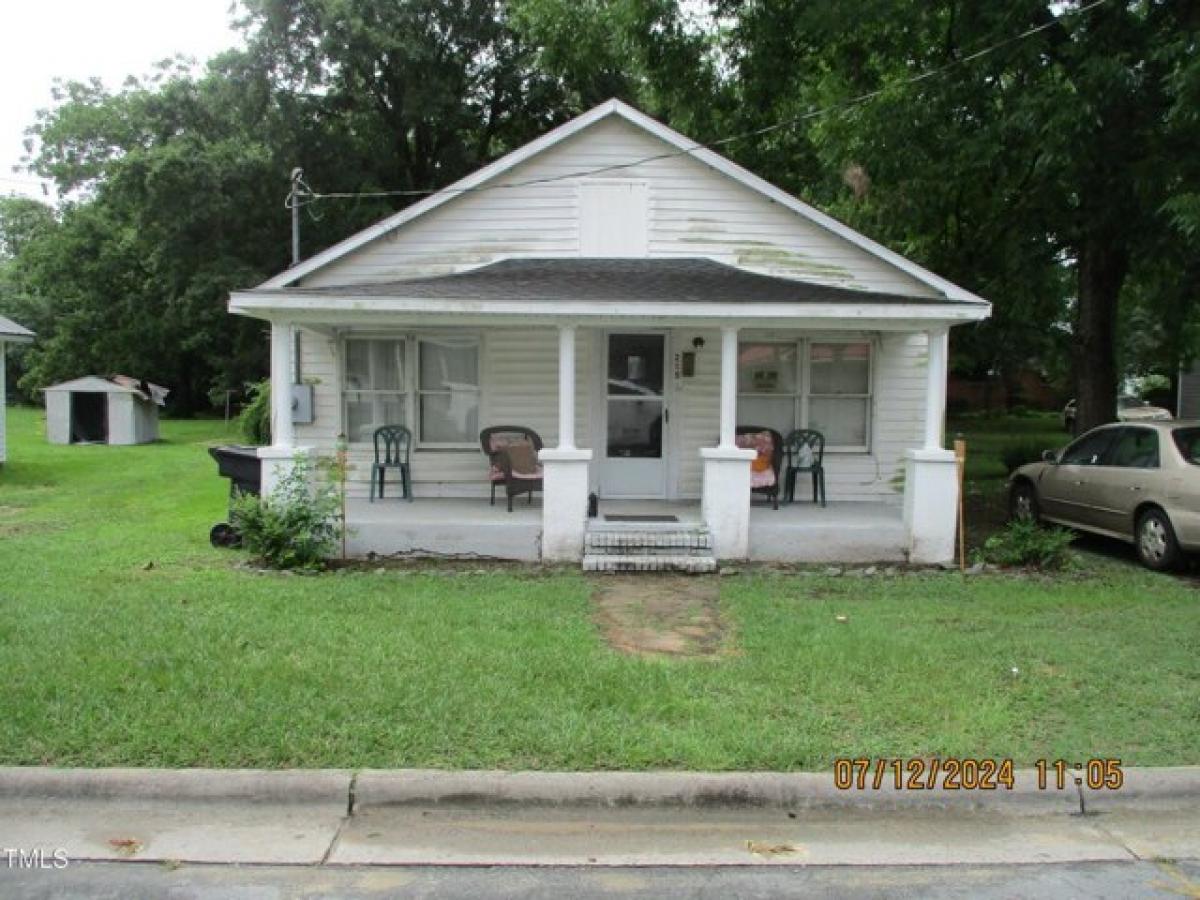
(10, 333)
(92, 410)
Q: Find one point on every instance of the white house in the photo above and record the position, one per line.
(10, 333)
(634, 299)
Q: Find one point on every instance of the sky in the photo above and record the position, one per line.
(79, 39)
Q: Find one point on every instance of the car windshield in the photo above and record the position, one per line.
(1188, 442)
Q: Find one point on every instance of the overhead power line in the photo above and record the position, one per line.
(303, 195)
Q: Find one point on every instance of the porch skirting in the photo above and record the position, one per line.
(800, 533)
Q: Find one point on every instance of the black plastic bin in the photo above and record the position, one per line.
(243, 468)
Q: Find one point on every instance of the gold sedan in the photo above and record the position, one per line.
(1139, 483)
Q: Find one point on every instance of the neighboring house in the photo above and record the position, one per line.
(10, 333)
(92, 410)
(1188, 405)
(632, 298)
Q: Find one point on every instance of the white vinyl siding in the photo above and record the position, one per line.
(691, 210)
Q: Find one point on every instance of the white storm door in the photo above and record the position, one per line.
(635, 417)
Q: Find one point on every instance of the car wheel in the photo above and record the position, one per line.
(1023, 503)
(1156, 544)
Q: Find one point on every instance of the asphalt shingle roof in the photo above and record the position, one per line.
(613, 281)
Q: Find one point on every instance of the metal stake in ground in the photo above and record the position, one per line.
(960, 461)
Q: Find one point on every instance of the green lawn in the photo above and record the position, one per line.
(106, 659)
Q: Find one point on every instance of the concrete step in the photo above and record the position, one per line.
(693, 563)
(629, 540)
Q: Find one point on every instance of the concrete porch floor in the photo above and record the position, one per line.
(471, 528)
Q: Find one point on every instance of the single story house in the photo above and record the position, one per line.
(93, 410)
(634, 299)
(10, 333)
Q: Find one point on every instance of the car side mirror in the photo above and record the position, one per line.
(1049, 456)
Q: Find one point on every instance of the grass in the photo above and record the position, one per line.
(126, 640)
(987, 437)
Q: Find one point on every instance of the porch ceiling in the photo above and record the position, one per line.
(582, 288)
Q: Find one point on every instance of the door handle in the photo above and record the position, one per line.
(1135, 487)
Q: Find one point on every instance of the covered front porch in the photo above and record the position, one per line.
(638, 375)
(462, 528)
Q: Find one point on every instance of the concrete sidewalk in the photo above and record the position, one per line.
(607, 819)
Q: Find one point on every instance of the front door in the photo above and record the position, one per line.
(635, 416)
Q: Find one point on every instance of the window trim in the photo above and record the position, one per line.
(802, 395)
(412, 391)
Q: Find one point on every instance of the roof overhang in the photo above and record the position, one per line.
(370, 311)
(573, 289)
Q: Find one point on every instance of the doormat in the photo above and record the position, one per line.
(623, 518)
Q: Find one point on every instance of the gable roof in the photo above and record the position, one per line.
(616, 108)
(619, 280)
(11, 331)
(119, 384)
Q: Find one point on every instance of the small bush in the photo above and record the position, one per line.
(255, 418)
(1028, 544)
(296, 527)
(1013, 456)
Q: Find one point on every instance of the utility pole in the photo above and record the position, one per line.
(294, 203)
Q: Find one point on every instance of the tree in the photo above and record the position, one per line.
(1046, 154)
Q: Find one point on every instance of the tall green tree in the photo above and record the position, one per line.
(1047, 156)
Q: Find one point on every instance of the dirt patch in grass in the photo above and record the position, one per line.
(660, 615)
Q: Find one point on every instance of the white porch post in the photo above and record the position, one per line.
(725, 503)
(564, 468)
(279, 458)
(930, 476)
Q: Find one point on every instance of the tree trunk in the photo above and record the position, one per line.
(1102, 268)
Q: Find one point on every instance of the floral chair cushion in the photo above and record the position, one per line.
(762, 471)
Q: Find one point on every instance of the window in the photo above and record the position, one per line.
(808, 384)
(374, 387)
(449, 391)
(428, 383)
(1134, 448)
(1187, 440)
(1089, 449)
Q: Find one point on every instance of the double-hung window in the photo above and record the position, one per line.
(429, 383)
(823, 385)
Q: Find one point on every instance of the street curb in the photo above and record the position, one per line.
(375, 788)
(313, 786)
(791, 790)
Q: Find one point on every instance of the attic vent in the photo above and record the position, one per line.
(613, 218)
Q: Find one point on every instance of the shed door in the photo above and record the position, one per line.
(89, 418)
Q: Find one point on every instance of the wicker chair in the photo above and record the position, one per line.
(494, 441)
(764, 478)
(395, 442)
(805, 452)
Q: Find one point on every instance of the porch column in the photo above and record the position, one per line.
(279, 458)
(564, 468)
(930, 476)
(725, 502)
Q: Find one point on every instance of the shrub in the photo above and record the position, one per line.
(255, 418)
(1028, 544)
(296, 527)
(1013, 456)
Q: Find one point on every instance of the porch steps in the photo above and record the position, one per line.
(675, 549)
